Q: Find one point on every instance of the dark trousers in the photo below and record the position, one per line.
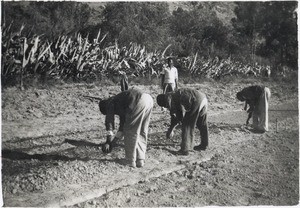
(196, 117)
(168, 87)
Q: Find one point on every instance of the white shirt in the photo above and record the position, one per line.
(171, 74)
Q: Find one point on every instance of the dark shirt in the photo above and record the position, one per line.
(120, 105)
(185, 100)
(251, 94)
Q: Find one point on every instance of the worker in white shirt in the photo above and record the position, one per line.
(169, 79)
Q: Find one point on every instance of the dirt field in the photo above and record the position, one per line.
(51, 155)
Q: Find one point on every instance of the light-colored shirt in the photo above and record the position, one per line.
(121, 105)
(171, 74)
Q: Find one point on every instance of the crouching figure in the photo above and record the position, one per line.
(257, 97)
(134, 109)
(189, 107)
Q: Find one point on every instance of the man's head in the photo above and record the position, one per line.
(161, 100)
(164, 100)
(103, 106)
(240, 96)
(249, 93)
(170, 61)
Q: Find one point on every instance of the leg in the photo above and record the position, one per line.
(203, 127)
(142, 143)
(130, 140)
(188, 131)
(131, 131)
(255, 118)
(169, 87)
(136, 135)
(263, 105)
(165, 90)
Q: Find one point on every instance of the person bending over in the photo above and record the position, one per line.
(134, 109)
(189, 107)
(258, 97)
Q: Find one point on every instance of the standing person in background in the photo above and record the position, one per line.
(258, 98)
(134, 108)
(189, 107)
(169, 78)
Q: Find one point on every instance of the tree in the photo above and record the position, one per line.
(51, 19)
(280, 32)
(199, 29)
(248, 25)
(268, 29)
(16, 13)
(140, 22)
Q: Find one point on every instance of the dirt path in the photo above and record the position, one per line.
(56, 160)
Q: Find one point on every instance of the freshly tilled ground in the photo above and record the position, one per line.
(51, 139)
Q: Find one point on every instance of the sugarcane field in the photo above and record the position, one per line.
(149, 104)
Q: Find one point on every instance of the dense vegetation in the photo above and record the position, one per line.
(90, 40)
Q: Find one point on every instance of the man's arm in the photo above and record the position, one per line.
(249, 117)
(122, 122)
(177, 113)
(119, 134)
(174, 123)
(110, 122)
(246, 102)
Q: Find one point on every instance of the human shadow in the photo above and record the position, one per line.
(78, 143)
(256, 131)
(17, 155)
(216, 127)
(162, 144)
(177, 152)
(40, 146)
(17, 140)
(82, 143)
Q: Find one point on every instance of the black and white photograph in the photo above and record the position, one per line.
(149, 104)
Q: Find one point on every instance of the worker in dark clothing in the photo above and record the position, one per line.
(257, 97)
(134, 109)
(189, 107)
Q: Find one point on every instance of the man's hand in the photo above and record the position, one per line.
(176, 85)
(174, 123)
(106, 148)
(170, 134)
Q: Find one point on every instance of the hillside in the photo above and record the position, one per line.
(224, 10)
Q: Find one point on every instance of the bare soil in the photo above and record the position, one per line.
(51, 157)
